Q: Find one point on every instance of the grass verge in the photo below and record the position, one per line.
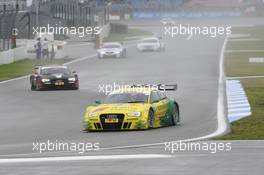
(237, 64)
(252, 127)
(24, 67)
(251, 41)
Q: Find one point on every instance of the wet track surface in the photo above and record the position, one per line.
(27, 117)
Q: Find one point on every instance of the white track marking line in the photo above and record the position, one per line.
(79, 59)
(221, 117)
(246, 77)
(235, 110)
(238, 102)
(14, 79)
(238, 105)
(242, 51)
(84, 158)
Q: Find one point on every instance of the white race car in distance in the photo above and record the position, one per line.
(151, 44)
(167, 21)
(111, 49)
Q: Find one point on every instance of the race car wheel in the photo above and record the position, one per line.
(75, 88)
(99, 56)
(151, 119)
(124, 54)
(33, 87)
(37, 87)
(175, 115)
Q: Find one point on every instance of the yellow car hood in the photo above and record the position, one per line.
(118, 108)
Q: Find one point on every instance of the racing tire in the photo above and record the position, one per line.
(33, 88)
(175, 117)
(75, 88)
(124, 55)
(151, 119)
(99, 56)
(37, 88)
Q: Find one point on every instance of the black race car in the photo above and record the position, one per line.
(53, 77)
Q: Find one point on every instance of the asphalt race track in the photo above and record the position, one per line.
(193, 64)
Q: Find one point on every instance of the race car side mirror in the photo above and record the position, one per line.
(155, 101)
(98, 102)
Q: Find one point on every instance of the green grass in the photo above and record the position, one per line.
(245, 45)
(254, 32)
(237, 64)
(251, 127)
(132, 34)
(24, 67)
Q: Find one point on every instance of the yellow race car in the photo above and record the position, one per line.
(133, 108)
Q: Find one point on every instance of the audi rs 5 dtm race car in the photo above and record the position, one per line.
(111, 49)
(151, 44)
(133, 108)
(53, 77)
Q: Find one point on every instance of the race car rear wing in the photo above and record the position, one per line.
(160, 87)
(37, 66)
(168, 87)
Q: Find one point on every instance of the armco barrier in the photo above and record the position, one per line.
(183, 14)
(9, 56)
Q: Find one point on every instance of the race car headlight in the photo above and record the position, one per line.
(117, 52)
(45, 80)
(72, 79)
(93, 114)
(134, 114)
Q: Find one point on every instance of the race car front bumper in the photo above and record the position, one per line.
(59, 85)
(109, 55)
(123, 122)
(148, 48)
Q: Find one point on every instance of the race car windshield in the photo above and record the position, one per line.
(50, 71)
(167, 19)
(111, 46)
(126, 98)
(150, 41)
